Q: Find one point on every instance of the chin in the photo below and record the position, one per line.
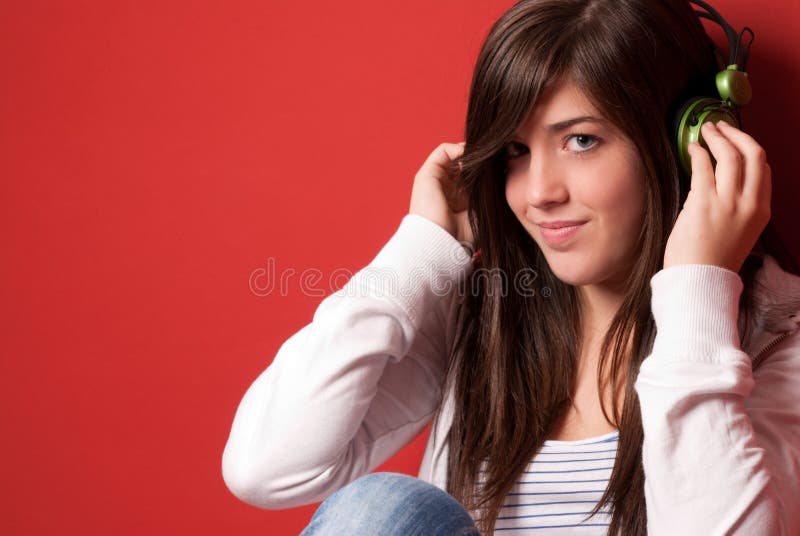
(574, 278)
(574, 268)
(568, 268)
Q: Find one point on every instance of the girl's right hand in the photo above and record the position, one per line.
(435, 196)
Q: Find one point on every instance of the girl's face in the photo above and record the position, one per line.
(583, 170)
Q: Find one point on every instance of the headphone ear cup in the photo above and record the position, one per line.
(690, 118)
(680, 139)
(676, 121)
(680, 130)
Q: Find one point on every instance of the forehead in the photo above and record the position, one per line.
(561, 101)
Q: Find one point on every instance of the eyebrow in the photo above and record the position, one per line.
(564, 125)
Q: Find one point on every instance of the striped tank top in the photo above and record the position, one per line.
(559, 488)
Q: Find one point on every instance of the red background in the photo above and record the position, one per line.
(153, 155)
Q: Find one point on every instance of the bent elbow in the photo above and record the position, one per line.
(236, 479)
(275, 486)
(245, 481)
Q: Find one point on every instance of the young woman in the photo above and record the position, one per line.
(620, 356)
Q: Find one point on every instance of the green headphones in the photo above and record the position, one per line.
(732, 85)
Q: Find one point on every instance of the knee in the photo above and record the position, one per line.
(391, 504)
(374, 493)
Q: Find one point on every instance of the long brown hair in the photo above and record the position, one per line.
(513, 365)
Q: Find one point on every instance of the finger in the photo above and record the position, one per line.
(451, 152)
(702, 180)
(453, 187)
(756, 170)
(729, 162)
(438, 162)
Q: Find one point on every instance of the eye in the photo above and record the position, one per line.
(513, 150)
(582, 141)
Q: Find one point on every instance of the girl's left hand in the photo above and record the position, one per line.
(723, 215)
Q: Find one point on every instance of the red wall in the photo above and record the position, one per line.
(155, 154)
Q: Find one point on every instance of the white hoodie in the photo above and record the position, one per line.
(721, 449)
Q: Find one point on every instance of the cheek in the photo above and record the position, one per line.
(515, 197)
(623, 205)
(622, 198)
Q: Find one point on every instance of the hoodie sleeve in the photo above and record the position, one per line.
(717, 461)
(351, 388)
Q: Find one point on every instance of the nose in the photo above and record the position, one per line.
(545, 182)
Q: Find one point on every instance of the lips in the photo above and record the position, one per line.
(559, 224)
(558, 233)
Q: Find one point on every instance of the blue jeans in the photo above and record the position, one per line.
(390, 504)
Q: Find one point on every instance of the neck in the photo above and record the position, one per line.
(598, 305)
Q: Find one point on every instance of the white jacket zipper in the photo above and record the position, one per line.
(761, 354)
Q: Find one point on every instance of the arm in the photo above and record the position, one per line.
(716, 459)
(359, 382)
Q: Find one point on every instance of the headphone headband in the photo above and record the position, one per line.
(734, 39)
